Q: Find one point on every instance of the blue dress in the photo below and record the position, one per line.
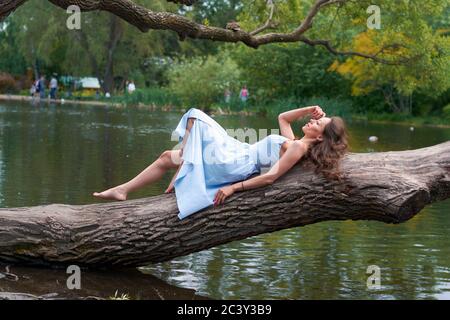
(213, 159)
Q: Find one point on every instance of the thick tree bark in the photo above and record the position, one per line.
(387, 186)
(8, 6)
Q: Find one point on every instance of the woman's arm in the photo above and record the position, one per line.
(295, 114)
(286, 118)
(286, 162)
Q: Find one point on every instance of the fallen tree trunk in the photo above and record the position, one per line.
(387, 186)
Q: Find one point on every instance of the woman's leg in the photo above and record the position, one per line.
(169, 159)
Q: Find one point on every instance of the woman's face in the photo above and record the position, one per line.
(314, 128)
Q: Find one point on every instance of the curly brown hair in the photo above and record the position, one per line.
(326, 154)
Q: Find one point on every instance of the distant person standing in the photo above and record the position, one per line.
(42, 87)
(227, 96)
(36, 87)
(131, 87)
(243, 95)
(33, 90)
(53, 87)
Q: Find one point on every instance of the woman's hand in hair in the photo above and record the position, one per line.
(317, 113)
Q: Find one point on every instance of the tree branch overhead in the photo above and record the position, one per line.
(145, 19)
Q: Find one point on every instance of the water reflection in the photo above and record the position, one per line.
(61, 154)
(327, 261)
(98, 284)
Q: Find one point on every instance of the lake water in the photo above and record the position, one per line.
(62, 153)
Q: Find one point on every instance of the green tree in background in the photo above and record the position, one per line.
(289, 70)
(413, 29)
(426, 74)
(209, 12)
(11, 59)
(104, 47)
(202, 82)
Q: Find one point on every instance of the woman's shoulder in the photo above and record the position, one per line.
(296, 143)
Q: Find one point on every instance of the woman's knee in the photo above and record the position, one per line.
(170, 158)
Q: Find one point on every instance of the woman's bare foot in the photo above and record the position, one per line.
(116, 193)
